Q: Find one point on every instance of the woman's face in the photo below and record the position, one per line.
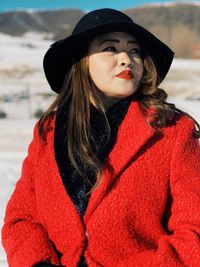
(115, 65)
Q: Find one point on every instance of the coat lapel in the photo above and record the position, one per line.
(133, 134)
(64, 204)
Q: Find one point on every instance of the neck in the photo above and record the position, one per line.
(109, 102)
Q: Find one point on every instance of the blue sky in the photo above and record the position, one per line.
(6, 5)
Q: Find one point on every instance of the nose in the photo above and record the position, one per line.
(125, 59)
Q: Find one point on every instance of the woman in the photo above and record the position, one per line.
(112, 177)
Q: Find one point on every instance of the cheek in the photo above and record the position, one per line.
(94, 67)
(98, 69)
(140, 70)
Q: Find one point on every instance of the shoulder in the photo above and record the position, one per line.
(180, 129)
(42, 130)
(183, 122)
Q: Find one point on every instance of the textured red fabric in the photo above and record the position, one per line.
(145, 213)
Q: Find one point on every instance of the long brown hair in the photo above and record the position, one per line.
(151, 96)
(77, 91)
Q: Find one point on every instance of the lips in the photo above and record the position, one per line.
(125, 74)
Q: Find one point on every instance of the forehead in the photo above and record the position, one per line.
(121, 36)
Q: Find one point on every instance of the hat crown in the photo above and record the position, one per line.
(99, 18)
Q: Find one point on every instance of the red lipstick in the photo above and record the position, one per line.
(125, 74)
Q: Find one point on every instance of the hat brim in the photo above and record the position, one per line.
(59, 56)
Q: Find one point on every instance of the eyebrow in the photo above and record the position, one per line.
(117, 41)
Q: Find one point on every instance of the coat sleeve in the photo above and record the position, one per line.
(181, 247)
(24, 239)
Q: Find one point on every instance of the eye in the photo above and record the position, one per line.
(110, 48)
(135, 52)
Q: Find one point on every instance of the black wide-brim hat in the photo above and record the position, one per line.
(59, 57)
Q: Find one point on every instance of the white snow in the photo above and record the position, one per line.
(186, 64)
(22, 52)
(21, 73)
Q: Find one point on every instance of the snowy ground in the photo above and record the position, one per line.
(21, 73)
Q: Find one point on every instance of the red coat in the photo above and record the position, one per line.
(148, 217)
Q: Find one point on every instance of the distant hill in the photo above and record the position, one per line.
(57, 22)
(176, 24)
